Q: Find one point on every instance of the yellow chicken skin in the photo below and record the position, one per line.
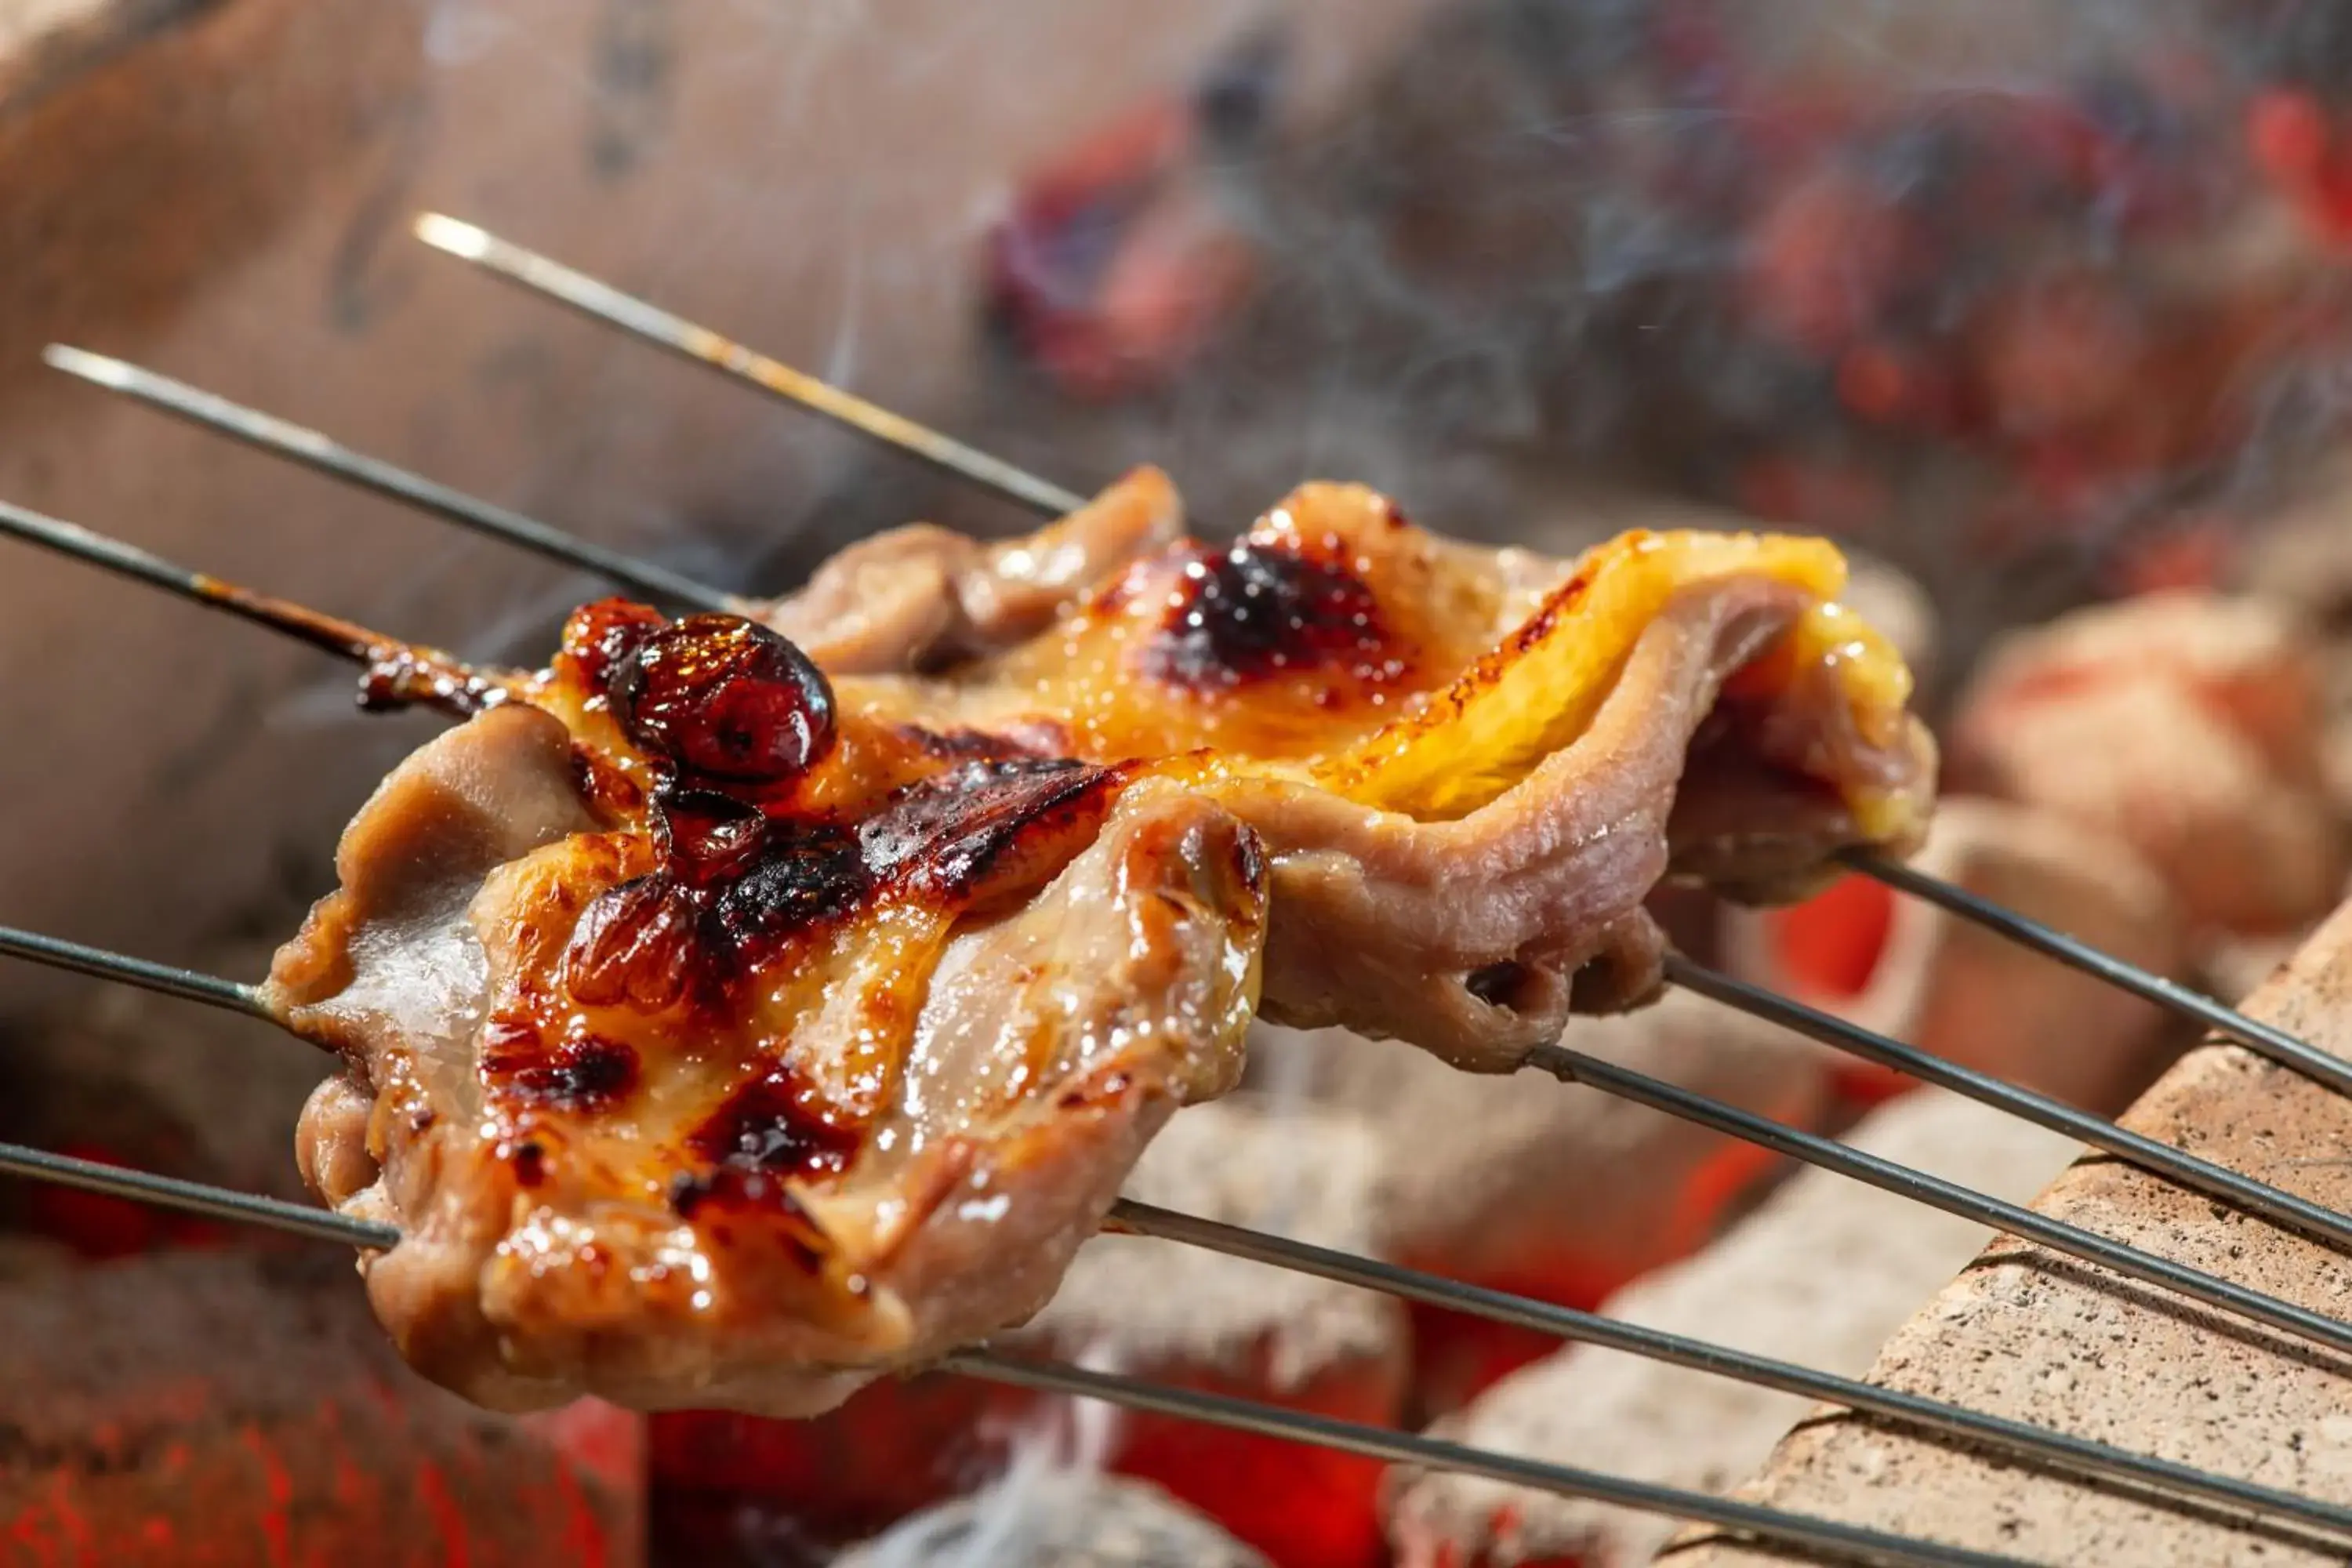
(750, 1004)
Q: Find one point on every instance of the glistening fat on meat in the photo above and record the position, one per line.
(723, 1029)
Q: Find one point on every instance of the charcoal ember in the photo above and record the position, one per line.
(735, 1490)
(1532, 1186)
(1907, 970)
(227, 1407)
(1067, 1519)
(1199, 1319)
(1819, 1275)
(2188, 724)
(1150, 1308)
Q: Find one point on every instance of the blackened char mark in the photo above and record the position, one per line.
(1257, 611)
(947, 836)
(775, 1123)
(807, 873)
(739, 1190)
(582, 1072)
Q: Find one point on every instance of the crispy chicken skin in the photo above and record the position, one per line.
(724, 1026)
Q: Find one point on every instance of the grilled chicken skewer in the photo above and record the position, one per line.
(725, 1029)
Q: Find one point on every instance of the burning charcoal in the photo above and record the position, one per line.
(1151, 1308)
(1180, 1315)
(1819, 1276)
(2188, 725)
(225, 1407)
(1907, 970)
(1531, 1186)
(1065, 1520)
(2300, 555)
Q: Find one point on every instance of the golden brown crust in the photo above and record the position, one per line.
(724, 1029)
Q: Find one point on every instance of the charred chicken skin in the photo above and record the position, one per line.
(750, 1004)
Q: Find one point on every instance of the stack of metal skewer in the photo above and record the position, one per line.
(1824, 1538)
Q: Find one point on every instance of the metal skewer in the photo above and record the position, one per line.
(1844, 1542)
(1149, 1220)
(189, 985)
(303, 444)
(399, 672)
(197, 1197)
(2280, 1046)
(1130, 1217)
(1675, 1349)
(2175, 1165)
(341, 639)
(2189, 1170)
(600, 302)
(605, 303)
(1576, 1067)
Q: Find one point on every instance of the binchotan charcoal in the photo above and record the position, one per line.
(2190, 725)
(1820, 1275)
(1152, 1309)
(220, 1406)
(1067, 1519)
(1907, 970)
(1530, 1185)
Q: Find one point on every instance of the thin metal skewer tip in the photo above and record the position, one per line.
(297, 443)
(196, 1198)
(400, 673)
(189, 985)
(603, 303)
(339, 638)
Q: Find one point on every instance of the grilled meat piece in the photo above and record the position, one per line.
(723, 1031)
